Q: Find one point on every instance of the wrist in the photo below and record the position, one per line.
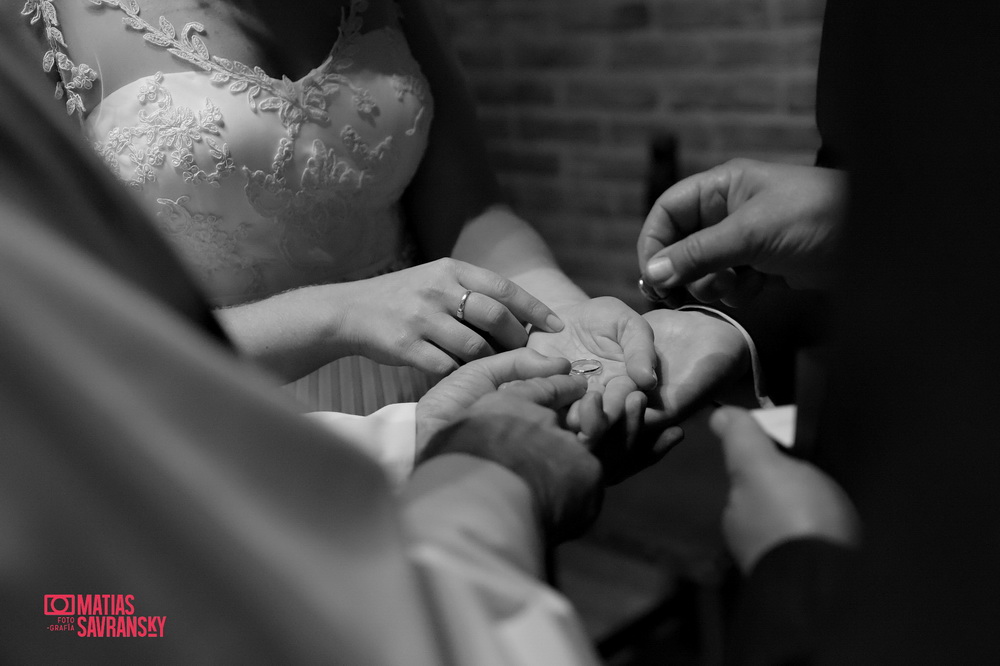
(337, 308)
(749, 392)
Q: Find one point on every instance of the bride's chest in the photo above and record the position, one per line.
(126, 40)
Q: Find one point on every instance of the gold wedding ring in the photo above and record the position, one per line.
(461, 305)
(586, 367)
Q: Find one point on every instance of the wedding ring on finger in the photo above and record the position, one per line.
(460, 313)
(587, 367)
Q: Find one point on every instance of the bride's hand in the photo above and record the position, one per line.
(411, 317)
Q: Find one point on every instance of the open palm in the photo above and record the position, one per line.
(609, 331)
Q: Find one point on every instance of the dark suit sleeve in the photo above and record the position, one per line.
(782, 322)
(786, 603)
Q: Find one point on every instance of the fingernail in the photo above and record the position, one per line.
(554, 323)
(661, 270)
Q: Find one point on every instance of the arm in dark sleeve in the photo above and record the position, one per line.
(782, 322)
(787, 602)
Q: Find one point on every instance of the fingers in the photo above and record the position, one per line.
(493, 317)
(698, 227)
(522, 305)
(429, 358)
(640, 353)
(589, 413)
(713, 287)
(635, 408)
(691, 204)
(732, 286)
(710, 250)
(618, 405)
(518, 364)
(460, 341)
(750, 284)
(665, 443)
(616, 392)
(747, 448)
(553, 392)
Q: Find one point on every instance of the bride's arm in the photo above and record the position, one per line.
(407, 317)
(292, 333)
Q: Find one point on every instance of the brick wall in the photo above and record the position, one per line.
(572, 92)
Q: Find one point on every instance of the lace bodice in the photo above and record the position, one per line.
(263, 184)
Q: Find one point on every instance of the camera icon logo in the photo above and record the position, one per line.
(60, 604)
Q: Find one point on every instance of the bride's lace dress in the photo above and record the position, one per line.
(266, 184)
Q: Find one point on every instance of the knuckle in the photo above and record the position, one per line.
(476, 347)
(448, 265)
(409, 345)
(429, 292)
(436, 364)
(495, 315)
(692, 251)
(441, 366)
(504, 288)
(737, 163)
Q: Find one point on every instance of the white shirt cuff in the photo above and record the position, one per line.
(388, 435)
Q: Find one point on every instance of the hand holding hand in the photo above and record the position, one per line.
(450, 399)
(721, 232)
(773, 497)
(411, 317)
(518, 427)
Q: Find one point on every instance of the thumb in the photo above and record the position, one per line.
(747, 448)
(553, 392)
(709, 250)
(522, 364)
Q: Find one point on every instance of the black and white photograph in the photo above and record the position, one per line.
(499, 332)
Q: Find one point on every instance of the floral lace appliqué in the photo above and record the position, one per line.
(73, 77)
(201, 237)
(169, 132)
(309, 209)
(294, 102)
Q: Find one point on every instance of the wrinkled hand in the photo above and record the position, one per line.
(409, 317)
(607, 330)
(450, 399)
(722, 232)
(773, 497)
(518, 427)
(698, 356)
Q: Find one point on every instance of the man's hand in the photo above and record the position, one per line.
(773, 497)
(720, 233)
(449, 399)
(518, 427)
(699, 356)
